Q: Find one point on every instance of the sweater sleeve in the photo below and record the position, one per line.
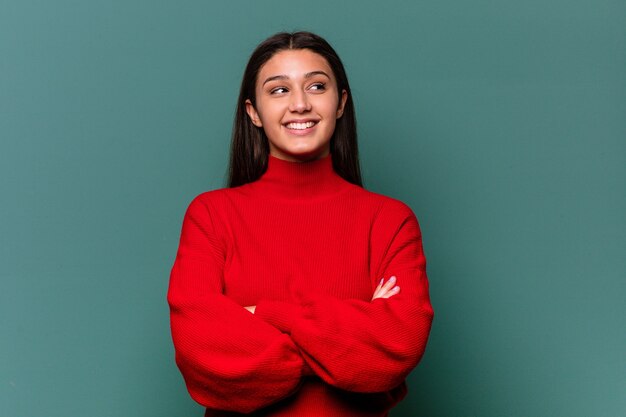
(366, 346)
(229, 359)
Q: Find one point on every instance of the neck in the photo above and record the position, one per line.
(300, 181)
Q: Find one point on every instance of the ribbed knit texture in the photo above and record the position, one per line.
(307, 248)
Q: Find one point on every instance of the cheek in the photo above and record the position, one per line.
(268, 110)
(328, 106)
(331, 112)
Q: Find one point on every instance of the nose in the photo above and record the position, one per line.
(299, 102)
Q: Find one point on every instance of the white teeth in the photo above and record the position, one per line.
(300, 126)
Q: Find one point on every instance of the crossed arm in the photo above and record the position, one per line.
(383, 290)
(231, 360)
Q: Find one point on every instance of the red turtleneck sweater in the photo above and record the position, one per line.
(307, 248)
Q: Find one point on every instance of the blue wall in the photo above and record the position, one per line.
(502, 124)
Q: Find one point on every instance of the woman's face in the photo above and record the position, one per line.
(297, 105)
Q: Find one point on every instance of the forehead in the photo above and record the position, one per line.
(294, 63)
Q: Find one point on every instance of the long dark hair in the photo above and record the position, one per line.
(249, 149)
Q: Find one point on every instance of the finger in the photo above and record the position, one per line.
(378, 287)
(395, 290)
(391, 282)
(384, 291)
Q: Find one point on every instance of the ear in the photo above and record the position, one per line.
(342, 103)
(252, 113)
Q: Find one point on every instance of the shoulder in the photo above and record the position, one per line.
(218, 197)
(209, 197)
(386, 206)
(212, 203)
(390, 217)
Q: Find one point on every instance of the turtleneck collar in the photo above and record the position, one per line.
(300, 181)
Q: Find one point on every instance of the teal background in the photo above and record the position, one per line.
(501, 123)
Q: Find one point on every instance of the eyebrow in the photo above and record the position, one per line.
(284, 77)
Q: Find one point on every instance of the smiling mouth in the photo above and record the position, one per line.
(300, 126)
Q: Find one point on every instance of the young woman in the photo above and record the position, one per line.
(295, 291)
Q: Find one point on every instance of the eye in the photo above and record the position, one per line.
(278, 90)
(318, 87)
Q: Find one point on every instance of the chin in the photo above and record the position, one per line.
(301, 154)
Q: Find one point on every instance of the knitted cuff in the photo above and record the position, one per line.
(279, 314)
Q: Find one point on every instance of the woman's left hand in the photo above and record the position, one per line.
(386, 289)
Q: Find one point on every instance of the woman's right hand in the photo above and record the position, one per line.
(386, 289)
